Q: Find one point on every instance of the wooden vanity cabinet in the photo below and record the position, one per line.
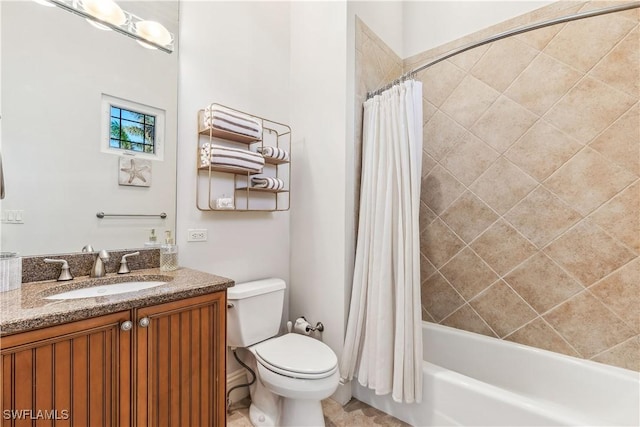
(180, 360)
(164, 368)
(76, 373)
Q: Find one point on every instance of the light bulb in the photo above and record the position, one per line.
(104, 10)
(153, 32)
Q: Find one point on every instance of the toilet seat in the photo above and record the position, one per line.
(297, 356)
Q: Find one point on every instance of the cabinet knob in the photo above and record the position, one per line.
(126, 326)
(144, 322)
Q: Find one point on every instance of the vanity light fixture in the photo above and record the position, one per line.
(107, 15)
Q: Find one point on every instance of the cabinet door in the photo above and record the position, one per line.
(72, 374)
(180, 363)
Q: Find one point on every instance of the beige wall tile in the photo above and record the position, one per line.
(440, 189)
(371, 70)
(428, 163)
(588, 253)
(426, 268)
(587, 325)
(441, 134)
(469, 159)
(439, 81)
(541, 283)
(621, 293)
(469, 100)
(379, 42)
(620, 143)
(621, 67)
(468, 59)
(502, 247)
(426, 216)
(427, 317)
(502, 309)
(439, 244)
(540, 335)
(428, 110)
(588, 109)
(500, 77)
(469, 216)
(541, 217)
(540, 38)
(621, 217)
(439, 298)
(503, 185)
(467, 319)
(599, 33)
(542, 150)
(588, 180)
(543, 83)
(503, 123)
(625, 355)
(468, 274)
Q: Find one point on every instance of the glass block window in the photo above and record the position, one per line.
(132, 130)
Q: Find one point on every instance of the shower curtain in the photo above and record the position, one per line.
(383, 344)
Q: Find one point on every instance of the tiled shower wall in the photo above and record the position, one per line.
(530, 214)
(375, 66)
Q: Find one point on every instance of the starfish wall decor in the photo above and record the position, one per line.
(135, 172)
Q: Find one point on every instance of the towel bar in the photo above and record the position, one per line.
(161, 215)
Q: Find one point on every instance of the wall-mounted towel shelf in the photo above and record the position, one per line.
(216, 181)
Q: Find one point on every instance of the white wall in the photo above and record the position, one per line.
(318, 213)
(428, 24)
(236, 54)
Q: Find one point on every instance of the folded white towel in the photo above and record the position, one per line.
(267, 182)
(227, 156)
(274, 153)
(229, 120)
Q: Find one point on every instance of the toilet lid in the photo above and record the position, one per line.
(297, 354)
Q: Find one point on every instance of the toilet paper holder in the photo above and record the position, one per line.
(303, 325)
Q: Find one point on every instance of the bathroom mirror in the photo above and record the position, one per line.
(56, 70)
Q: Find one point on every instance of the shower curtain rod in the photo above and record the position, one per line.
(504, 35)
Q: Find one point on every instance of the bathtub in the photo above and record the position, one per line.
(473, 380)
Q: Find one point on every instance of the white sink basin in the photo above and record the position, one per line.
(102, 290)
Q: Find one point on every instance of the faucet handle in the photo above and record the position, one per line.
(124, 268)
(65, 274)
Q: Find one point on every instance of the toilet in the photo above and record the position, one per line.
(294, 372)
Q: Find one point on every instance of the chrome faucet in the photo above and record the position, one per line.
(99, 269)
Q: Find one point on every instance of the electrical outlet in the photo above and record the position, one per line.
(197, 235)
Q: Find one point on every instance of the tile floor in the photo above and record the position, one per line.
(354, 413)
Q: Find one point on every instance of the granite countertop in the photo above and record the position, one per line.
(26, 308)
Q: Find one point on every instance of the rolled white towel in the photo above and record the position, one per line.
(267, 182)
(233, 121)
(274, 153)
(227, 156)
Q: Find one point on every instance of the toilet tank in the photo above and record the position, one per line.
(254, 311)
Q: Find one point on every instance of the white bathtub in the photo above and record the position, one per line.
(473, 380)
